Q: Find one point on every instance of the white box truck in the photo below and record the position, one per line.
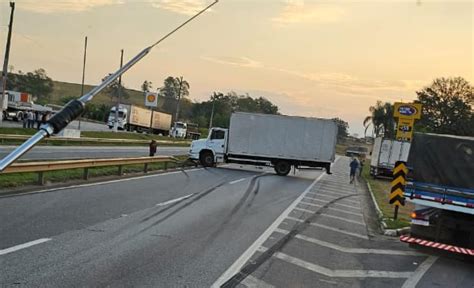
(385, 154)
(269, 140)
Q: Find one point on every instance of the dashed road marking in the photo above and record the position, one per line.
(333, 209)
(332, 229)
(237, 181)
(333, 198)
(326, 202)
(419, 272)
(252, 282)
(333, 217)
(338, 273)
(348, 249)
(174, 200)
(23, 246)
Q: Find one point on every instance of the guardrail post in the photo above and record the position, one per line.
(86, 174)
(120, 170)
(40, 178)
(145, 168)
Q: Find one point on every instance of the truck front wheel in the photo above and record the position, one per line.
(207, 159)
(282, 168)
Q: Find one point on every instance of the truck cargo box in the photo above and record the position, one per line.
(283, 137)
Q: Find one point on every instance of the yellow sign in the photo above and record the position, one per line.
(407, 110)
(405, 129)
(400, 172)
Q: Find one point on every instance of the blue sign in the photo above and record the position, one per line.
(407, 110)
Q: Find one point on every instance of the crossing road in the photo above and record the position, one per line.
(69, 152)
(201, 227)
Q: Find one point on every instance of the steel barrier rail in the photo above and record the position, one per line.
(86, 139)
(44, 166)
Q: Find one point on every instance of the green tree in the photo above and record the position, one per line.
(36, 83)
(447, 107)
(115, 89)
(381, 119)
(342, 128)
(147, 86)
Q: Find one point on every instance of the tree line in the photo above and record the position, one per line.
(447, 108)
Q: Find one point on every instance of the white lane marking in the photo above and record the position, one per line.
(419, 272)
(324, 192)
(237, 181)
(333, 217)
(175, 200)
(333, 209)
(23, 246)
(102, 183)
(338, 273)
(240, 262)
(252, 282)
(337, 189)
(348, 249)
(326, 202)
(333, 198)
(332, 228)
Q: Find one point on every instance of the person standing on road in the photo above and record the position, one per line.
(354, 165)
(153, 146)
(24, 117)
(31, 120)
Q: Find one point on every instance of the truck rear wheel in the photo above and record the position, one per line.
(207, 159)
(282, 168)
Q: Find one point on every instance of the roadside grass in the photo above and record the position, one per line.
(381, 189)
(91, 134)
(15, 180)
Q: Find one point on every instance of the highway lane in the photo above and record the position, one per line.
(85, 125)
(128, 233)
(187, 229)
(69, 152)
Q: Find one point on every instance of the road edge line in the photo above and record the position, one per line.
(240, 262)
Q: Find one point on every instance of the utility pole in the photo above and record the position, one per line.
(83, 75)
(119, 92)
(212, 111)
(5, 61)
(179, 97)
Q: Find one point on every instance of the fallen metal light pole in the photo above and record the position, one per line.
(75, 108)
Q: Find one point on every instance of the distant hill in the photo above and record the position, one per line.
(65, 90)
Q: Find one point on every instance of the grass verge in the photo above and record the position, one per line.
(90, 134)
(381, 190)
(16, 180)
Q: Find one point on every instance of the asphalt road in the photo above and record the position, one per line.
(85, 125)
(69, 152)
(195, 228)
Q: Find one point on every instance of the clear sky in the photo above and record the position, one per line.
(311, 58)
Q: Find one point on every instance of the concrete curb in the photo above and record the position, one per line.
(383, 225)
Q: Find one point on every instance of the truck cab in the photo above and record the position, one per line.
(121, 120)
(179, 130)
(210, 150)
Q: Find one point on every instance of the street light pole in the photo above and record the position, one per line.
(212, 111)
(5, 61)
(119, 92)
(83, 75)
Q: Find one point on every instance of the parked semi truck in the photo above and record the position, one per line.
(442, 189)
(385, 154)
(136, 118)
(185, 130)
(269, 140)
(17, 103)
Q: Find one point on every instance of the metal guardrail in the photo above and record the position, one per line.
(45, 166)
(87, 139)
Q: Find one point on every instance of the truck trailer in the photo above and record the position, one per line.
(139, 119)
(269, 140)
(442, 189)
(385, 153)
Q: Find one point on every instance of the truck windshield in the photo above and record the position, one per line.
(120, 114)
(180, 125)
(217, 134)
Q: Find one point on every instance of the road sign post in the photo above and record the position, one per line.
(400, 172)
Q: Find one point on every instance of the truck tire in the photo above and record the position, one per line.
(207, 159)
(282, 168)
